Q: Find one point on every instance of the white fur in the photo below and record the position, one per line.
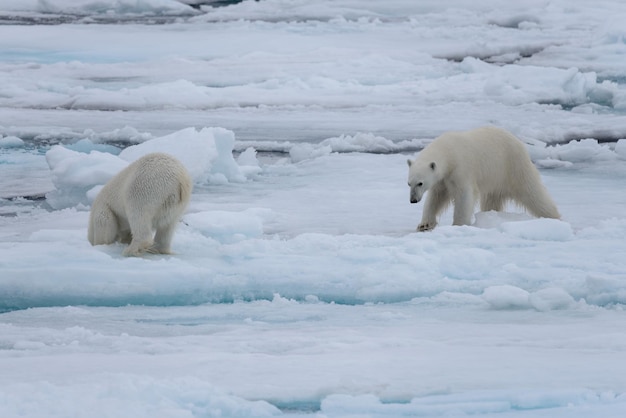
(150, 194)
(487, 163)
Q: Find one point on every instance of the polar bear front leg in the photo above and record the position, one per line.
(429, 220)
(438, 198)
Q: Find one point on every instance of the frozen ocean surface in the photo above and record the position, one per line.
(299, 286)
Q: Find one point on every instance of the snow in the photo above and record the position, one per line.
(11, 142)
(299, 286)
(539, 229)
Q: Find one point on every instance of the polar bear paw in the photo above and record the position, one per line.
(427, 226)
(137, 249)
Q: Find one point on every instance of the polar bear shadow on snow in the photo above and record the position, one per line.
(149, 195)
(487, 164)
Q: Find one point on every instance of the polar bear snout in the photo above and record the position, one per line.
(416, 192)
(415, 196)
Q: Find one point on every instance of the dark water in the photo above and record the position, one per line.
(17, 18)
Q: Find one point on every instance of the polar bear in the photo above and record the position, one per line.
(487, 163)
(150, 194)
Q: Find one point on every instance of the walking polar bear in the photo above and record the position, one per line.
(487, 163)
(150, 194)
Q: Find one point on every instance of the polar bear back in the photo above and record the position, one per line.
(488, 157)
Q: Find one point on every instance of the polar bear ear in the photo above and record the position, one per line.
(409, 162)
(433, 166)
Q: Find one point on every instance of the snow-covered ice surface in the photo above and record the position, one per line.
(299, 287)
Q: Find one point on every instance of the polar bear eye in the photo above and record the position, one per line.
(420, 184)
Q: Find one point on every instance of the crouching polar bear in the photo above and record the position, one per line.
(487, 163)
(150, 194)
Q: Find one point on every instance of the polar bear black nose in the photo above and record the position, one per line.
(413, 200)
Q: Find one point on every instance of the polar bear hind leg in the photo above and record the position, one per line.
(464, 203)
(141, 232)
(163, 219)
(531, 193)
(166, 222)
(163, 238)
(103, 225)
(539, 203)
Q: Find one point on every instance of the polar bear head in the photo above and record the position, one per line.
(422, 176)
